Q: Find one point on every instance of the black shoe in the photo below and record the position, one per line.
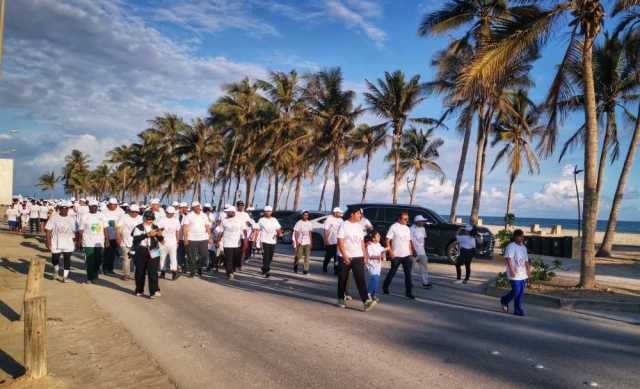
(335, 270)
(411, 297)
(324, 269)
(175, 276)
(199, 272)
(385, 290)
(305, 272)
(427, 286)
(191, 275)
(162, 275)
(266, 275)
(295, 268)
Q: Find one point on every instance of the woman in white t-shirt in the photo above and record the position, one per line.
(518, 271)
(374, 267)
(302, 241)
(353, 256)
(270, 230)
(60, 238)
(467, 246)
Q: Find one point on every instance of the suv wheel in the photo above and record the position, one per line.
(453, 251)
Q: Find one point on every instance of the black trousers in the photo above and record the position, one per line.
(181, 255)
(66, 257)
(110, 254)
(465, 258)
(407, 264)
(34, 225)
(232, 259)
(357, 265)
(146, 267)
(267, 256)
(331, 251)
(198, 255)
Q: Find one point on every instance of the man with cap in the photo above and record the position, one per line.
(111, 215)
(43, 214)
(270, 230)
(330, 230)
(124, 227)
(196, 233)
(146, 241)
(92, 236)
(302, 240)
(34, 217)
(60, 233)
(157, 210)
(231, 231)
(419, 238)
(170, 227)
(183, 210)
(250, 232)
(467, 245)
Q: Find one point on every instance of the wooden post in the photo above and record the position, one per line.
(34, 280)
(35, 337)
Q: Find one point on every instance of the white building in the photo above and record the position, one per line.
(6, 181)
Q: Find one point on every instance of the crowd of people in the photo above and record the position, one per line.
(188, 239)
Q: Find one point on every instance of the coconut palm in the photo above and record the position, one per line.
(48, 181)
(100, 180)
(516, 126)
(75, 171)
(418, 152)
(364, 142)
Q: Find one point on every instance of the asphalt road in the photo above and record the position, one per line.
(286, 332)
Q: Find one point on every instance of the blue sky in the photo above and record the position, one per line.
(87, 74)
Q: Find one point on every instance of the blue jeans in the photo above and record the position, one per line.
(516, 294)
(374, 281)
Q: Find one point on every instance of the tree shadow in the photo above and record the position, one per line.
(34, 246)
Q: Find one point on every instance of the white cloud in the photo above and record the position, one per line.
(356, 17)
(557, 194)
(95, 148)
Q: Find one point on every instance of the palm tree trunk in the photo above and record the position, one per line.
(286, 201)
(324, 184)
(252, 200)
(282, 190)
(222, 192)
(413, 189)
(602, 163)
(397, 137)
(276, 193)
(249, 188)
(590, 204)
(508, 211)
(336, 179)
(458, 184)
(610, 234)
(366, 177)
(479, 169)
(296, 201)
(235, 193)
(269, 189)
(124, 182)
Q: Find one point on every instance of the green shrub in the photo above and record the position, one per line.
(504, 238)
(502, 281)
(540, 271)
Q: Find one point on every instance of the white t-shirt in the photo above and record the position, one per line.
(34, 211)
(233, 230)
(303, 228)
(92, 226)
(24, 214)
(375, 251)
(159, 215)
(247, 220)
(12, 214)
(63, 231)
(197, 223)
(352, 237)
(43, 212)
(519, 257)
(331, 226)
(400, 236)
(366, 224)
(418, 237)
(269, 227)
(111, 217)
(126, 224)
(466, 241)
(171, 226)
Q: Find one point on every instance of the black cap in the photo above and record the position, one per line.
(148, 215)
(240, 202)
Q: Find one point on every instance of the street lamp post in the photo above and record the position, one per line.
(577, 171)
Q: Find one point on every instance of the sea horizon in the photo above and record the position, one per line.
(570, 224)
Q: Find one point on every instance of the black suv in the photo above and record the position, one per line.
(441, 235)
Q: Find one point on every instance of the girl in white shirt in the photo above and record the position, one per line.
(467, 246)
(374, 266)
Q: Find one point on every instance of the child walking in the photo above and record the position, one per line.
(374, 266)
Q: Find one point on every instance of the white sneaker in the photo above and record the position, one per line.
(158, 294)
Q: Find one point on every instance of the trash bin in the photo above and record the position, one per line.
(557, 248)
(567, 247)
(547, 246)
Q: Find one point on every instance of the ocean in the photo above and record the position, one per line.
(569, 224)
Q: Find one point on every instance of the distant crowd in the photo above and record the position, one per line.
(166, 241)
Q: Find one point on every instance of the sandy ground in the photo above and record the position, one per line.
(87, 348)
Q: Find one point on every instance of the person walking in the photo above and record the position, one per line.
(467, 246)
(111, 215)
(157, 210)
(34, 217)
(232, 230)
(24, 217)
(182, 251)
(353, 256)
(43, 214)
(124, 228)
(250, 232)
(196, 233)
(400, 251)
(419, 240)
(146, 245)
(270, 229)
(92, 235)
(170, 227)
(374, 266)
(302, 240)
(60, 234)
(12, 214)
(329, 231)
(518, 271)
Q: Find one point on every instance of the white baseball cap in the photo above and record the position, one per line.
(124, 204)
(93, 203)
(113, 201)
(337, 210)
(66, 204)
(207, 205)
(134, 208)
(419, 218)
(155, 201)
(195, 204)
(170, 209)
(230, 208)
(175, 204)
(268, 208)
(183, 205)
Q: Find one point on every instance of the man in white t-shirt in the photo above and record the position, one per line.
(518, 271)
(196, 233)
(12, 215)
(302, 242)
(353, 256)
(124, 229)
(250, 233)
(270, 229)
(400, 251)
(60, 234)
(34, 217)
(158, 212)
(329, 231)
(43, 214)
(419, 240)
(111, 214)
(93, 235)
(232, 231)
(170, 227)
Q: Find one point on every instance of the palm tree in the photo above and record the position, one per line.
(364, 142)
(418, 153)
(75, 172)
(393, 99)
(100, 180)
(48, 181)
(629, 23)
(516, 127)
